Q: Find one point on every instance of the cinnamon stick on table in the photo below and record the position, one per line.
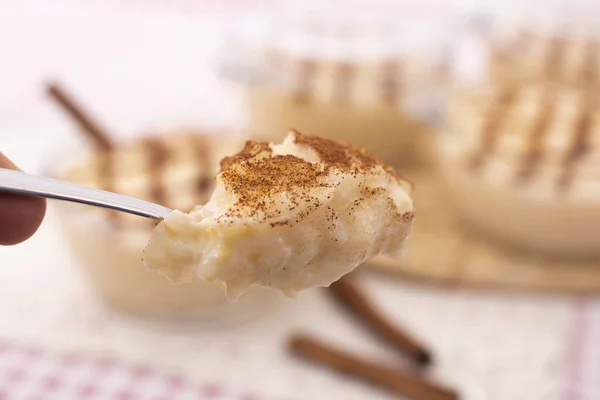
(347, 291)
(393, 380)
(99, 136)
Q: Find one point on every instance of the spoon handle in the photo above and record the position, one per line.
(21, 183)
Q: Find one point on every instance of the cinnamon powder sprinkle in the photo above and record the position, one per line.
(258, 178)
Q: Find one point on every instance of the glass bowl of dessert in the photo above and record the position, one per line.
(551, 43)
(521, 163)
(175, 169)
(367, 79)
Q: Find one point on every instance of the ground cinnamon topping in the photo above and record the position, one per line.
(259, 179)
(257, 182)
(250, 151)
(338, 154)
(347, 157)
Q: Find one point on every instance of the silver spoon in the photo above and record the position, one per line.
(32, 185)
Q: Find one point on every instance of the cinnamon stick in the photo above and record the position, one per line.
(99, 136)
(393, 380)
(349, 294)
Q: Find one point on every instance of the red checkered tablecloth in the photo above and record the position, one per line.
(33, 373)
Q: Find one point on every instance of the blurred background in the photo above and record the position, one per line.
(489, 107)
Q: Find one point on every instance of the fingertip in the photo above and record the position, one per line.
(20, 217)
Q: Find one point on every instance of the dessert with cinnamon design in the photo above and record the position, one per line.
(522, 162)
(342, 77)
(361, 101)
(290, 216)
(568, 55)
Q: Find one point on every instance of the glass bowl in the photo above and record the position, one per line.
(370, 80)
(555, 43)
(527, 171)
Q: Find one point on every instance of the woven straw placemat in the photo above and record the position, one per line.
(442, 249)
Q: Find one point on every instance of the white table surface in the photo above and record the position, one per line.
(154, 70)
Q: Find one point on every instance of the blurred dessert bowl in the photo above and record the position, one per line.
(175, 169)
(561, 56)
(349, 81)
(520, 162)
(557, 44)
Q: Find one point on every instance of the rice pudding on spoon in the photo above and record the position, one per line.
(290, 216)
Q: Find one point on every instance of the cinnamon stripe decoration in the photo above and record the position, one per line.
(204, 185)
(509, 52)
(578, 149)
(390, 81)
(157, 155)
(306, 76)
(394, 380)
(555, 56)
(344, 75)
(444, 70)
(106, 176)
(349, 294)
(590, 65)
(106, 171)
(205, 181)
(523, 42)
(535, 146)
(489, 131)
